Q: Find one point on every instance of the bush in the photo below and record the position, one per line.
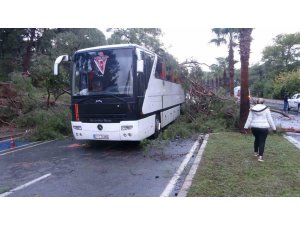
(7, 113)
(268, 91)
(288, 81)
(178, 129)
(27, 95)
(46, 124)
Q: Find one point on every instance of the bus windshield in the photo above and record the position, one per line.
(100, 72)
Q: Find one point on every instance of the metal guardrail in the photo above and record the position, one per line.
(6, 137)
(274, 101)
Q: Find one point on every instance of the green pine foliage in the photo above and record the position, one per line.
(287, 81)
(46, 124)
(220, 116)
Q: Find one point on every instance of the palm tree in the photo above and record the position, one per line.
(245, 42)
(232, 35)
(219, 72)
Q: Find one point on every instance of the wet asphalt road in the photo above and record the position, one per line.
(282, 121)
(96, 170)
(100, 169)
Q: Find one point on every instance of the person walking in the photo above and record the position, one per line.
(285, 102)
(260, 120)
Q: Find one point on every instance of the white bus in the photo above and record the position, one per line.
(120, 93)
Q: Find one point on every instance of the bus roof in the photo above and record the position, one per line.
(111, 46)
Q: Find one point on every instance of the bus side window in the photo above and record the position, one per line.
(157, 70)
(160, 70)
(163, 74)
(142, 78)
(148, 66)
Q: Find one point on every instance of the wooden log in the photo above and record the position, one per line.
(291, 129)
(282, 113)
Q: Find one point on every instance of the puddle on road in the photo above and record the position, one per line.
(75, 145)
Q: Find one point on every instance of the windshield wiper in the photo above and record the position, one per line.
(105, 93)
(112, 95)
(84, 99)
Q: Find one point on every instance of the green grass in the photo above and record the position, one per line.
(229, 168)
(4, 189)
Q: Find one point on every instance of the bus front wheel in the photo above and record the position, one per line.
(157, 128)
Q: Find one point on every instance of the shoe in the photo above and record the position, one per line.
(255, 154)
(260, 159)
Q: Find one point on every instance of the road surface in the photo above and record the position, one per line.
(72, 168)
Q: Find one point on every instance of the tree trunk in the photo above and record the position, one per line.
(225, 79)
(48, 98)
(231, 65)
(245, 42)
(27, 56)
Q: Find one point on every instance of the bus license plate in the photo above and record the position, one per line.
(101, 136)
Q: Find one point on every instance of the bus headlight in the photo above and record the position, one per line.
(77, 127)
(126, 127)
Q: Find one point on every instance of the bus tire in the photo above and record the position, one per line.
(157, 127)
(181, 109)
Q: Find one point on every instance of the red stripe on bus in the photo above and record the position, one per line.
(76, 112)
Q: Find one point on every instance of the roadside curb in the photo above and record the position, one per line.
(171, 185)
(292, 140)
(189, 178)
(273, 101)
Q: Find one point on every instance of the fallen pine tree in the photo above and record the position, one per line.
(290, 129)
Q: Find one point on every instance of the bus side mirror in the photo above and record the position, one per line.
(140, 66)
(58, 60)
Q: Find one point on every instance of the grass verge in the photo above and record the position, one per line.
(229, 168)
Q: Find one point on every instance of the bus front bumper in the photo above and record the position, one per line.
(123, 131)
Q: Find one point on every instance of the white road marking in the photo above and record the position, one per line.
(6, 140)
(25, 185)
(169, 188)
(12, 151)
(189, 178)
(292, 140)
(21, 146)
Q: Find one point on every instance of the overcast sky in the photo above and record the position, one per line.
(197, 18)
(186, 43)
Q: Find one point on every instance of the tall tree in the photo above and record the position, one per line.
(11, 50)
(219, 71)
(148, 37)
(55, 42)
(245, 42)
(67, 41)
(30, 37)
(17, 47)
(224, 36)
(283, 55)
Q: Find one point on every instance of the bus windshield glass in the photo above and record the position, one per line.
(103, 72)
